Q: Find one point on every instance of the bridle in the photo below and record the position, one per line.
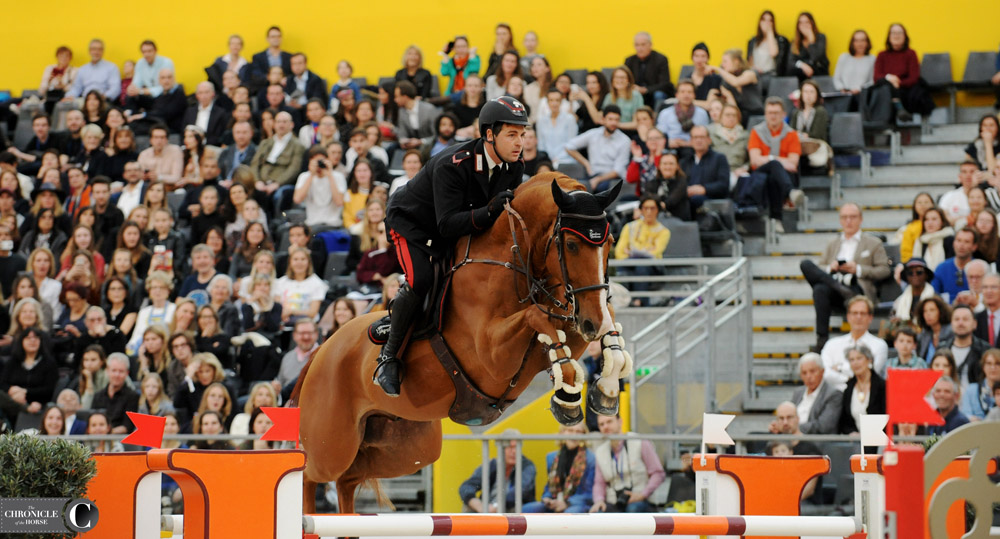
(538, 291)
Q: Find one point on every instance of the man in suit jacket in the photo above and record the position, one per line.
(651, 70)
(274, 101)
(304, 85)
(817, 400)
(262, 61)
(853, 262)
(417, 119)
(988, 320)
(212, 119)
(167, 108)
(240, 152)
(278, 160)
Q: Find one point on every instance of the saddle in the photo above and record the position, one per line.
(471, 406)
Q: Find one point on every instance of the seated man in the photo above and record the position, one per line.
(955, 203)
(949, 276)
(162, 161)
(774, 149)
(617, 492)
(415, 124)
(607, 151)
(167, 108)
(212, 119)
(278, 159)
(837, 370)
(677, 121)
(946, 395)
(706, 169)
(117, 398)
(966, 348)
(816, 402)
(98, 74)
(43, 139)
(321, 190)
(787, 422)
(305, 335)
(303, 84)
(471, 487)
(556, 130)
(852, 263)
(145, 85)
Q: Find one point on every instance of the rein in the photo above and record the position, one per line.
(538, 290)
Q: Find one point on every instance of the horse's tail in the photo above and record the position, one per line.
(293, 399)
(380, 496)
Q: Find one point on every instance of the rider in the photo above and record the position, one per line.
(461, 191)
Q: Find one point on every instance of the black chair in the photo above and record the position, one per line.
(383, 80)
(686, 72)
(335, 263)
(825, 83)
(754, 120)
(935, 69)
(979, 69)
(782, 87)
(847, 135)
(396, 164)
(573, 170)
(608, 71)
(28, 92)
(360, 81)
(685, 239)
(578, 76)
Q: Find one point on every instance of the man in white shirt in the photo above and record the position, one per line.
(145, 78)
(608, 151)
(955, 203)
(837, 370)
(278, 159)
(321, 190)
(134, 188)
(817, 404)
(212, 119)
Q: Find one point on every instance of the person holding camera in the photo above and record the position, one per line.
(852, 264)
(321, 190)
(628, 471)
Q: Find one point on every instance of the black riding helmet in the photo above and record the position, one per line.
(502, 110)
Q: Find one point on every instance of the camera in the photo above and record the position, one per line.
(321, 164)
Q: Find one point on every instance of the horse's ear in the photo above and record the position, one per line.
(558, 194)
(605, 198)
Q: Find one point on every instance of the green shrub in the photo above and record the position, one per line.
(34, 468)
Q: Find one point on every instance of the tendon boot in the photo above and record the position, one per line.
(402, 311)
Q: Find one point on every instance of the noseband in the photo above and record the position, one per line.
(539, 292)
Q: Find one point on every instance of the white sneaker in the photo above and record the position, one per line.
(797, 197)
(778, 227)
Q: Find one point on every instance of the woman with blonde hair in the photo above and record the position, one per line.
(300, 291)
(184, 316)
(42, 265)
(159, 311)
(152, 356)
(413, 71)
(261, 394)
(202, 371)
(740, 85)
(216, 398)
(263, 264)
(153, 400)
(27, 314)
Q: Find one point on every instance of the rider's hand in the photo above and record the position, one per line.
(497, 204)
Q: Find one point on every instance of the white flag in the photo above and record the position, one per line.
(713, 429)
(873, 429)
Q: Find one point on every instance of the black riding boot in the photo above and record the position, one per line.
(402, 310)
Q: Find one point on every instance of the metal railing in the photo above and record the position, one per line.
(694, 358)
(672, 277)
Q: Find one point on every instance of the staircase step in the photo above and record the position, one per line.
(829, 220)
(793, 243)
(932, 154)
(784, 315)
(781, 290)
(902, 175)
(971, 115)
(782, 344)
(951, 134)
(890, 196)
(778, 266)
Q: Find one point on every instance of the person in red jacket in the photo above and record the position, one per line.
(898, 66)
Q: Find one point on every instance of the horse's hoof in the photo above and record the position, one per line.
(566, 415)
(599, 403)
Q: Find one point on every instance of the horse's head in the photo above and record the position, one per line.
(581, 241)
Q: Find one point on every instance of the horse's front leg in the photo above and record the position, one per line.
(616, 363)
(566, 372)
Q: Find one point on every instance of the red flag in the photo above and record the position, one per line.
(148, 430)
(905, 390)
(286, 424)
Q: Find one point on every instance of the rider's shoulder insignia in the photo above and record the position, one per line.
(461, 156)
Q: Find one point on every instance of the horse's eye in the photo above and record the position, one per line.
(572, 247)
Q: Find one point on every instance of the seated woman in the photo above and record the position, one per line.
(202, 371)
(856, 67)
(259, 424)
(642, 169)
(808, 56)
(865, 393)
(934, 319)
(643, 238)
(730, 139)
(261, 394)
(210, 338)
(210, 422)
(670, 187)
(740, 85)
(216, 398)
(220, 294)
(261, 314)
(915, 228)
(98, 424)
(72, 321)
(43, 234)
(378, 261)
(624, 94)
(918, 276)
(153, 399)
(767, 51)
(24, 287)
(159, 311)
(30, 375)
(340, 312)
(984, 150)
(935, 243)
(300, 291)
(255, 239)
(53, 422)
(153, 356)
(977, 399)
(898, 67)
(988, 248)
(571, 476)
(812, 122)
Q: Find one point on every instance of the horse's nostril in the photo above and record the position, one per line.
(589, 328)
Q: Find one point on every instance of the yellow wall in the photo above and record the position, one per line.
(588, 33)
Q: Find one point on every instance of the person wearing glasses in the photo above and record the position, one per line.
(852, 264)
(645, 237)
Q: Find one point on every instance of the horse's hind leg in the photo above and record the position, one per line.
(308, 496)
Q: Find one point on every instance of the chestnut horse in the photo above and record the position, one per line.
(353, 432)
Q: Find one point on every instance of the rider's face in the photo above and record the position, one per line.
(509, 142)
